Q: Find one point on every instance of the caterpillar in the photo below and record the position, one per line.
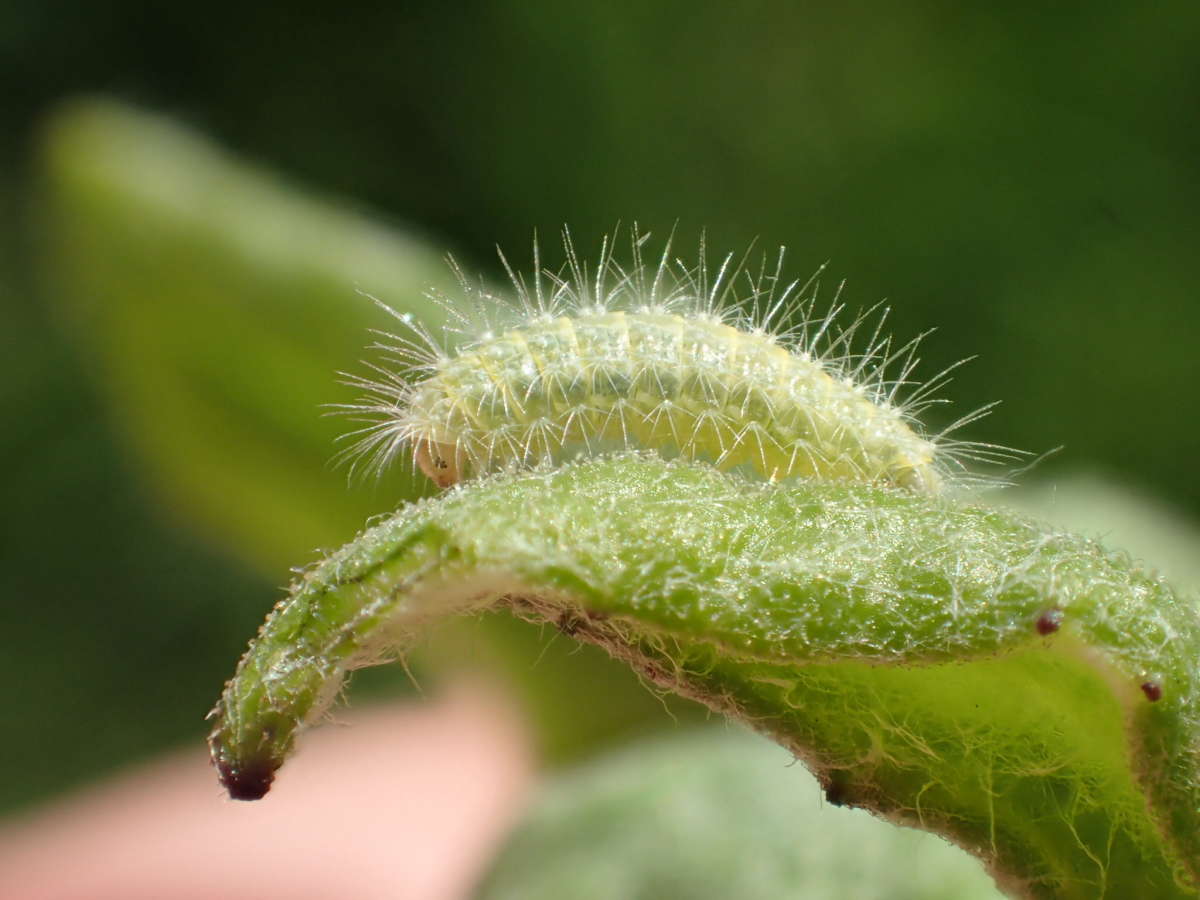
(662, 357)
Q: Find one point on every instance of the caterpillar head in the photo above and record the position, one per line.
(439, 462)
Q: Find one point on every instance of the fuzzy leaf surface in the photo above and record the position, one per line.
(891, 641)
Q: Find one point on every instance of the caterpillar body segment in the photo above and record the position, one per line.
(685, 386)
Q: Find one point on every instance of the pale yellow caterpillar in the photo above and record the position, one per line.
(662, 358)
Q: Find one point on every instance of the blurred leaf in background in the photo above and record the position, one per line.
(714, 814)
(218, 306)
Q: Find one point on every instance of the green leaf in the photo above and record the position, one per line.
(1022, 691)
(217, 304)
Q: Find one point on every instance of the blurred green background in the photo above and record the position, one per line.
(1025, 177)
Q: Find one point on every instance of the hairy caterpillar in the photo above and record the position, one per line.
(655, 357)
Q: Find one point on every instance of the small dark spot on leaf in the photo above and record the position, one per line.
(837, 790)
(1049, 621)
(1152, 690)
(249, 781)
